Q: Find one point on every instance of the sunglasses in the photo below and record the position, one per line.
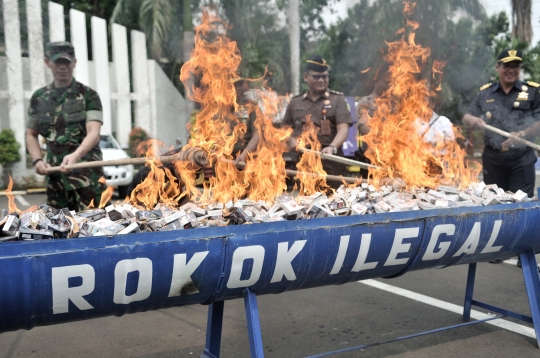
(319, 77)
(507, 66)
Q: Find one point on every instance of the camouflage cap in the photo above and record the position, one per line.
(59, 49)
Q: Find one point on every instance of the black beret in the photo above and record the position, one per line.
(317, 63)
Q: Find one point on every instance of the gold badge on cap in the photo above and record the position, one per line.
(516, 104)
(524, 88)
(488, 115)
(512, 53)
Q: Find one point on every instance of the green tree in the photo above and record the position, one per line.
(9, 148)
(136, 137)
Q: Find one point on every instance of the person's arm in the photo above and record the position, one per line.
(472, 117)
(32, 144)
(287, 122)
(339, 139)
(93, 129)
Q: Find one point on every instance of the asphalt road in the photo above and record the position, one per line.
(309, 322)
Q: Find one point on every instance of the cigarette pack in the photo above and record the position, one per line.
(519, 196)
(358, 209)
(175, 225)
(91, 215)
(424, 205)
(464, 197)
(131, 228)
(146, 215)
(12, 225)
(448, 189)
(31, 234)
(288, 204)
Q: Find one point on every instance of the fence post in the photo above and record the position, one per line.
(100, 55)
(57, 31)
(121, 70)
(77, 21)
(140, 80)
(15, 81)
(35, 45)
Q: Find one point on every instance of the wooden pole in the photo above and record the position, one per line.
(328, 177)
(104, 163)
(342, 160)
(508, 135)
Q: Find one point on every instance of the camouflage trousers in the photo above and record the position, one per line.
(76, 199)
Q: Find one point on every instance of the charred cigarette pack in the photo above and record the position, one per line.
(93, 214)
(31, 234)
(12, 225)
(146, 215)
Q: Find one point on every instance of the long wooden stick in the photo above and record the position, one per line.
(295, 173)
(508, 135)
(342, 160)
(105, 163)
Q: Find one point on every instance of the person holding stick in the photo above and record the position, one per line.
(513, 106)
(68, 115)
(328, 110)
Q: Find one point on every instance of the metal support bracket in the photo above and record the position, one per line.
(532, 286)
(214, 325)
(253, 323)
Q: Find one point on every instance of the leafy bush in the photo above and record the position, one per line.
(9, 148)
(136, 137)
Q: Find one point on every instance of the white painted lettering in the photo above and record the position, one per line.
(470, 245)
(494, 234)
(361, 263)
(284, 260)
(182, 272)
(62, 293)
(448, 229)
(144, 286)
(241, 254)
(398, 247)
(342, 251)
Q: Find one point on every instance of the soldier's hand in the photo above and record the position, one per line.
(478, 123)
(241, 158)
(41, 167)
(511, 142)
(328, 150)
(69, 159)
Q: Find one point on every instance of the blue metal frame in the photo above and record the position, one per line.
(532, 286)
(254, 326)
(214, 325)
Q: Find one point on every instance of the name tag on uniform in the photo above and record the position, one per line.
(325, 127)
(490, 100)
(299, 109)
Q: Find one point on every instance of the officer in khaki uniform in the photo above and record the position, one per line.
(513, 106)
(328, 110)
(68, 115)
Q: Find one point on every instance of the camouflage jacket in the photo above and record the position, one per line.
(60, 116)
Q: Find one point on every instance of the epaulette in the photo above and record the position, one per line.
(336, 92)
(533, 84)
(487, 85)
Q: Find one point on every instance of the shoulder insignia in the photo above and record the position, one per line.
(487, 85)
(533, 84)
(336, 92)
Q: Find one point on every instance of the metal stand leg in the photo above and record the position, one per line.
(532, 285)
(254, 326)
(214, 325)
(469, 292)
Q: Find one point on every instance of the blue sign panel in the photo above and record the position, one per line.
(53, 281)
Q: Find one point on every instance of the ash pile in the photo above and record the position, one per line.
(122, 218)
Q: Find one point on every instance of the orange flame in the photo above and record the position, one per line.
(106, 196)
(310, 162)
(160, 185)
(209, 78)
(393, 141)
(11, 199)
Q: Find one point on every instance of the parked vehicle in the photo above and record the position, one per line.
(119, 176)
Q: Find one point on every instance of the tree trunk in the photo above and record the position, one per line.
(294, 39)
(188, 44)
(521, 20)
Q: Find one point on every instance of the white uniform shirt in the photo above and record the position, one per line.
(441, 129)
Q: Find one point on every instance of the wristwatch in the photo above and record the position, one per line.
(334, 148)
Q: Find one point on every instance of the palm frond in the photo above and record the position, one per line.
(156, 17)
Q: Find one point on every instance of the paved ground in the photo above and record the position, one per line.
(309, 322)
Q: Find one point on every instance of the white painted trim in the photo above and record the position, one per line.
(140, 80)
(122, 94)
(35, 44)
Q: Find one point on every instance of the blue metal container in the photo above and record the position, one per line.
(53, 281)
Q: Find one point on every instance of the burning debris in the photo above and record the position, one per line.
(122, 218)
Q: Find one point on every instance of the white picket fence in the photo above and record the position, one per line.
(158, 106)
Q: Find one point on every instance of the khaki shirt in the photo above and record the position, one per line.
(337, 112)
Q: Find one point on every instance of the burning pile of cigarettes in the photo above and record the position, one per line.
(121, 218)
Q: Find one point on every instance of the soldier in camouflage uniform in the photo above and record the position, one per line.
(68, 115)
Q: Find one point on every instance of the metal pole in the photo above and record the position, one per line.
(294, 41)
